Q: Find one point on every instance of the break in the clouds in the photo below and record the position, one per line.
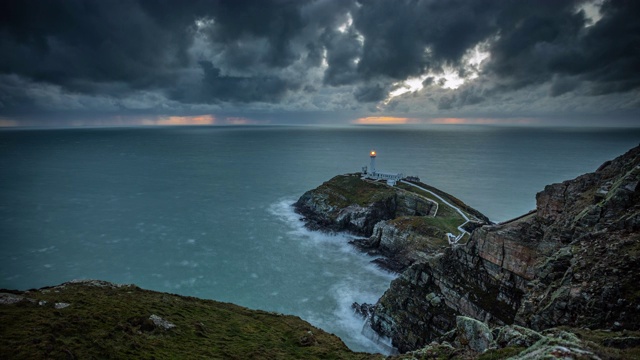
(318, 60)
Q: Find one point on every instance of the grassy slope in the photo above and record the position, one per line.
(345, 190)
(112, 322)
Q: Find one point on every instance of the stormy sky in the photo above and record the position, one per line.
(145, 62)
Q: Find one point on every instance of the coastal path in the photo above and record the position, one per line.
(453, 239)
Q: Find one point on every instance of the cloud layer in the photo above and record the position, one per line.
(344, 59)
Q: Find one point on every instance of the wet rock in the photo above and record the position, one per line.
(363, 310)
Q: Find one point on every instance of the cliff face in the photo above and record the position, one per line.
(571, 262)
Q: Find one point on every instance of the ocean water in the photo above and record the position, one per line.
(206, 211)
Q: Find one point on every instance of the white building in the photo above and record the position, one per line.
(373, 174)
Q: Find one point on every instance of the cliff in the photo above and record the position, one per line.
(99, 320)
(571, 262)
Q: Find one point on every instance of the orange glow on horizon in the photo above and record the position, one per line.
(183, 120)
(383, 120)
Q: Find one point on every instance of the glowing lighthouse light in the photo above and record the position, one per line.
(372, 174)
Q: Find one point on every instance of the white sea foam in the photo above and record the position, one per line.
(348, 289)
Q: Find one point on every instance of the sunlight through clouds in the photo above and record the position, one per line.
(448, 78)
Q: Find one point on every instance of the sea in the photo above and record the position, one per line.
(207, 211)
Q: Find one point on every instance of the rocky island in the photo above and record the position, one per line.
(558, 282)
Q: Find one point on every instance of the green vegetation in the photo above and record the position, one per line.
(610, 344)
(435, 228)
(444, 211)
(113, 322)
(345, 190)
(448, 197)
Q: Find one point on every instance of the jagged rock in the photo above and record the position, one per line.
(571, 262)
(363, 310)
(473, 334)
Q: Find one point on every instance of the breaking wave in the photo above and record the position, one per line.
(364, 284)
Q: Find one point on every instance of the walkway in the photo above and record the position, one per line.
(453, 239)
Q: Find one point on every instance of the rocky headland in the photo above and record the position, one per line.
(403, 224)
(572, 262)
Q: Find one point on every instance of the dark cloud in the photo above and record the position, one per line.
(343, 49)
(371, 92)
(612, 49)
(216, 87)
(562, 85)
(277, 23)
(79, 43)
(406, 38)
(286, 52)
(541, 40)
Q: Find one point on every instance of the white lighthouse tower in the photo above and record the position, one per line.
(372, 165)
(373, 174)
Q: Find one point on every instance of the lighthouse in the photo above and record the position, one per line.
(372, 166)
(372, 174)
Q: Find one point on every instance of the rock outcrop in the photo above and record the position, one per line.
(401, 224)
(347, 203)
(572, 262)
(472, 339)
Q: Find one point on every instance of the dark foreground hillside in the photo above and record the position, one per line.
(101, 320)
